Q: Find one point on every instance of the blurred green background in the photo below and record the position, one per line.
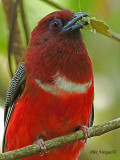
(105, 56)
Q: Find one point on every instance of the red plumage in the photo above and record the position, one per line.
(46, 108)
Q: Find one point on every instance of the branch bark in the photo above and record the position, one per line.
(61, 141)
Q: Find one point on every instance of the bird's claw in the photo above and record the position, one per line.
(41, 143)
(85, 131)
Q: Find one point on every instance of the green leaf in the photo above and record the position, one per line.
(96, 25)
(100, 27)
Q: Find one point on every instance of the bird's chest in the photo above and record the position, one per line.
(57, 109)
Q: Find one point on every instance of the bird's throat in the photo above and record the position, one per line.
(67, 57)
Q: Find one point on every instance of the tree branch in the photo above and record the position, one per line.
(115, 36)
(12, 23)
(24, 21)
(15, 42)
(54, 4)
(61, 141)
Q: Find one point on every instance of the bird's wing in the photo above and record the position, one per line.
(91, 120)
(14, 91)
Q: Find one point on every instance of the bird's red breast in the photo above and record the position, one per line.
(49, 115)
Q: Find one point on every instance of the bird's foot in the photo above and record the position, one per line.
(41, 143)
(85, 131)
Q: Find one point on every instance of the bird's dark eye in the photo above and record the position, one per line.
(55, 24)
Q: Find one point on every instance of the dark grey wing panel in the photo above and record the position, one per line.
(91, 120)
(14, 91)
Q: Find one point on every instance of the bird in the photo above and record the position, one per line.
(52, 91)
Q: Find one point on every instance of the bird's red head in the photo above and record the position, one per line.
(56, 47)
